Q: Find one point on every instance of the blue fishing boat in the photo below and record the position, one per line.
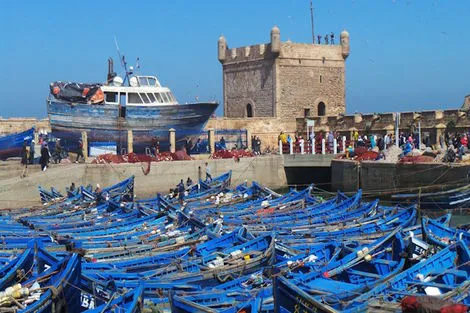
(129, 302)
(450, 199)
(10, 145)
(106, 112)
(441, 235)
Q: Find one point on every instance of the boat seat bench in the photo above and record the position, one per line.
(387, 262)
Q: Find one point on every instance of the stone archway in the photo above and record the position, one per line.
(321, 109)
(249, 110)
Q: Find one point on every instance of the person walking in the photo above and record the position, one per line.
(31, 152)
(24, 158)
(331, 139)
(326, 39)
(44, 160)
(319, 39)
(332, 38)
(181, 191)
(58, 150)
(258, 145)
(80, 151)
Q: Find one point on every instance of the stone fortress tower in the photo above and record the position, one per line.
(284, 79)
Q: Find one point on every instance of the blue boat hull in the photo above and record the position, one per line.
(10, 145)
(103, 123)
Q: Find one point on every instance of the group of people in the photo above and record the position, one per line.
(328, 39)
(46, 156)
(181, 189)
(457, 146)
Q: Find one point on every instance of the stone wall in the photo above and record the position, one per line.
(307, 75)
(267, 129)
(21, 192)
(432, 123)
(387, 178)
(15, 125)
(249, 84)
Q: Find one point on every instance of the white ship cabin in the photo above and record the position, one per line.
(143, 91)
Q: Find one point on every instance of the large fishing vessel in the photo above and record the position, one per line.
(106, 112)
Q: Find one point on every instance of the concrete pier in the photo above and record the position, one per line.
(385, 178)
(21, 192)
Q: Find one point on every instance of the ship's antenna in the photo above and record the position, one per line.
(311, 21)
(122, 59)
(137, 64)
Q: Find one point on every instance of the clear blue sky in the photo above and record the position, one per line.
(405, 54)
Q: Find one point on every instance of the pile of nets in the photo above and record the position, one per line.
(367, 156)
(392, 154)
(228, 154)
(136, 158)
(141, 158)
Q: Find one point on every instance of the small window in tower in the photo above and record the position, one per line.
(320, 79)
(306, 112)
(249, 110)
(321, 109)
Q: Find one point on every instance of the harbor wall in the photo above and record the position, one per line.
(384, 178)
(20, 192)
(16, 125)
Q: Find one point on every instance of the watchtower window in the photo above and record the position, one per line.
(249, 110)
(306, 112)
(321, 109)
(320, 79)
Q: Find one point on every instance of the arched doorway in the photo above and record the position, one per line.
(249, 110)
(321, 109)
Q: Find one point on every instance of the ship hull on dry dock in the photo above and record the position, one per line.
(109, 123)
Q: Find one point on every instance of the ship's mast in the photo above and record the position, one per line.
(311, 20)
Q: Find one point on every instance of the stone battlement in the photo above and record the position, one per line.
(289, 50)
(280, 79)
(19, 124)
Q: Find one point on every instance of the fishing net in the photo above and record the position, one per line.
(367, 156)
(427, 304)
(228, 154)
(144, 159)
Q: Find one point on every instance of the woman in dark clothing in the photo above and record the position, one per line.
(25, 158)
(44, 160)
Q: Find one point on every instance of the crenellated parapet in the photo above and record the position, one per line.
(282, 78)
(432, 123)
(16, 125)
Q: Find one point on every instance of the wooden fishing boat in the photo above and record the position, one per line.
(131, 301)
(451, 199)
(11, 144)
(441, 235)
(347, 275)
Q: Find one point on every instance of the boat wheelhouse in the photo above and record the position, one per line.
(137, 106)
